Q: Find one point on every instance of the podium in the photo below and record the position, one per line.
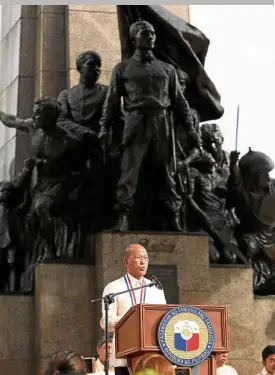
(136, 334)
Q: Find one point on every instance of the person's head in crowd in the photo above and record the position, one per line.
(153, 364)
(101, 348)
(221, 359)
(66, 362)
(136, 260)
(268, 355)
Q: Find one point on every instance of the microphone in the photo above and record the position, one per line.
(156, 281)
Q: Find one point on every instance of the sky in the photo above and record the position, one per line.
(241, 63)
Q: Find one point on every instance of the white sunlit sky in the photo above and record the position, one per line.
(241, 63)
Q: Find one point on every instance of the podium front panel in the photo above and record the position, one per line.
(207, 367)
(218, 316)
(137, 331)
(127, 337)
(151, 317)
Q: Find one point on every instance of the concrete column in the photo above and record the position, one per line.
(16, 81)
(50, 64)
(9, 79)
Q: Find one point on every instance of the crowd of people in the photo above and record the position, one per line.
(73, 363)
(161, 366)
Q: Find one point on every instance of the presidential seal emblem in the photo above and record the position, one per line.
(186, 336)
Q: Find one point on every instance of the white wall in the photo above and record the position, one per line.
(9, 72)
(241, 62)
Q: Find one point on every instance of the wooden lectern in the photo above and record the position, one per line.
(136, 333)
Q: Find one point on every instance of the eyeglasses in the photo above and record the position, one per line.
(146, 258)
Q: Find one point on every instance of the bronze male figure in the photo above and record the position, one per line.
(150, 91)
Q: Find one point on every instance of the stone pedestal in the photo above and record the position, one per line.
(64, 317)
(189, 253)
(16, 334)
(233, 287)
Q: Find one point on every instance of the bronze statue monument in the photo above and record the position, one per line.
(142, 154)
(150, 91)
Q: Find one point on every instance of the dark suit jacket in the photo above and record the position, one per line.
(82, 105)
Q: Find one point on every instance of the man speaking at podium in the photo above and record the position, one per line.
(136, 263)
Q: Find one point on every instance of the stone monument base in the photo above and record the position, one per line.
(60, 315)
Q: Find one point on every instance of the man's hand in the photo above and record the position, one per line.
(29, 122)
(234, 157)
(11, 121)
(29, 164)
(103, 134)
